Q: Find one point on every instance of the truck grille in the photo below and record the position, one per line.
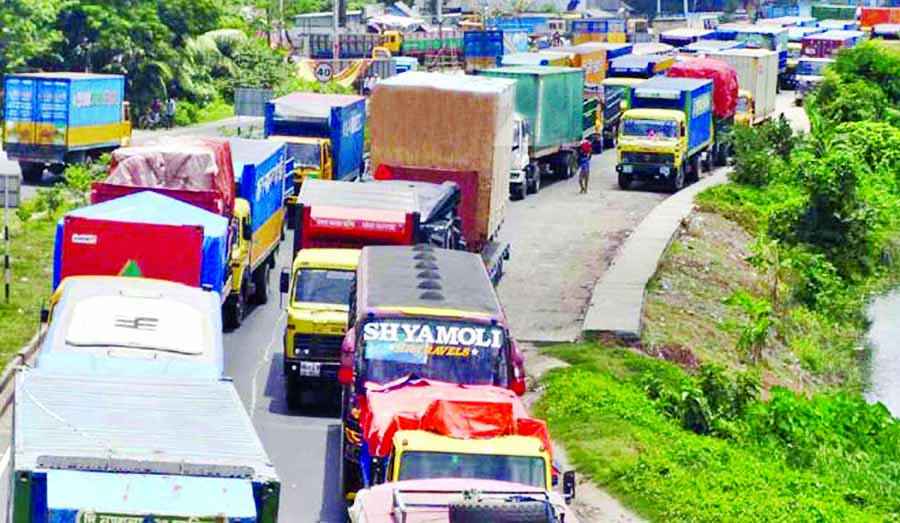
(634, 157)
(314, 347)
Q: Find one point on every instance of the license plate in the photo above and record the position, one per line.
(309, 368)
(664, 171)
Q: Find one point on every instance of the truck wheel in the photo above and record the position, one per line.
(234, 308)
(261, 283)
(501, 511)
(676, 183)
(517, 192)
(625, 181)
(571, 165)
(32, 172)
(695, 169)
(597, 143)
(535, 184)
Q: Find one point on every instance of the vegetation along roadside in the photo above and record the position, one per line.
(750, 406)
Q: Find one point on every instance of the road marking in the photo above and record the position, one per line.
(264, 358)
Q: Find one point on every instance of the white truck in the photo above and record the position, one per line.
(757, 72)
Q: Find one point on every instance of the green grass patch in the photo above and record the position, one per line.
(216, 110)
(31, 256)
(792, 459)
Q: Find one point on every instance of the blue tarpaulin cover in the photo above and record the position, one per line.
(165, 497)
(151, 207)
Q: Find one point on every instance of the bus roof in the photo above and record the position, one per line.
(423, 277)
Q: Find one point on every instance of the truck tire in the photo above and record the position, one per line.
(235, 307)
(676, 183)
(261, 283)
(32, 172)
(571, 164)
(535, 184)
(695, 170)
(517, 192)
(501, 511)
(625, 181)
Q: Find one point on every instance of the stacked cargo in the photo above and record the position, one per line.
(833, 12)
(590, 59)
(462, 123)
(827, 44)
(482, 49)
(598, 30)
(872, 16)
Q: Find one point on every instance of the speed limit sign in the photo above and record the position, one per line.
(324, 72)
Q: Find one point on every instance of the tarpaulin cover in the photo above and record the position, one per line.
(724, 77)
(448, 409)
(138, 228)
(187, 163)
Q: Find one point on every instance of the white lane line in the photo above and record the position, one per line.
(263, 359)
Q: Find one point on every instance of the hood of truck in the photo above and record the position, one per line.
(318, 318)
(75, 496)
(644, 145)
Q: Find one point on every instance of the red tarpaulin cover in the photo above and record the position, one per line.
(449, 409)
(724, 77)
(188, 163)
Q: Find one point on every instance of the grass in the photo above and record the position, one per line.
(32, 272)
(613, 431)
(216, 110)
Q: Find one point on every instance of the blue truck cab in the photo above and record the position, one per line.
(666, 133)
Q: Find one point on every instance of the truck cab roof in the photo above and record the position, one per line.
(654, 114)
(338, 259)
(427, 199)
(515, 445)
(126, 326)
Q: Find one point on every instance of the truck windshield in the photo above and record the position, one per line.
(743, 105)
(808, 68)
(650, 128)
(304, 154)
(323, 286)
(454, 352)
(527, 470)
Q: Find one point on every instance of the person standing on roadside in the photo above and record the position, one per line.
(584, 166)
(170, 112)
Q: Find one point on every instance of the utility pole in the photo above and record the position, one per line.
(335, 43)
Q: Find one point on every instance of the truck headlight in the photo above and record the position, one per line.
(626, 168)
(664, 170)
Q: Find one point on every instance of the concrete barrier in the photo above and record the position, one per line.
(617, 303)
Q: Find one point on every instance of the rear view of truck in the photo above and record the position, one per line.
(757, 72)
(54, 119)
(91, 448)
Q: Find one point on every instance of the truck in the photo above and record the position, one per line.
(449, 431)
(591, 60)
(725, 94)
(484, 49)
(810, 73)
(419, 45)
(666, 132)
(200, 171)
(886, 31)
(757, 73)
(126, 448)
(833, 12)
(599, 30)
(684, 35)
(459, 499)
(758, 36)
(628, 71)
(424, 311)
(467, 124)
(705, 47)
(548, 124)
(870, 17)
(336, 220)
(645, 48)
(56, 119)
(827, 44)
(136, 234)
(324, 134)
(126, 326)
(839, 25)
(535, 58)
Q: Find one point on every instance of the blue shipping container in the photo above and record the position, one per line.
(690, 96)
(483, 44)
(151, 207)
(65, 99)
(340, 118)
(259, 176)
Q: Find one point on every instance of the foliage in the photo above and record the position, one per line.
(761, 151)
(829, 458)
(755, 329)
(27, 32)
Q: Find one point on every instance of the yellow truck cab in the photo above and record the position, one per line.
(419, 454)
(746, 108)
(312, 159)
(318, 289)
(392, 41)
(623, 84)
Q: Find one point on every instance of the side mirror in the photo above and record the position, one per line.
(285, 282)
(569, 486)
(246, 230)
(45, 316)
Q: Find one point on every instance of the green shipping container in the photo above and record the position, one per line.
(550, 100)
(833, 12)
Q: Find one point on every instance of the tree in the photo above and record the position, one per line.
(28, 33)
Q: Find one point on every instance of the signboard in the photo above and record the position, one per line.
(9, 190)
(251, 101)
(324, 72)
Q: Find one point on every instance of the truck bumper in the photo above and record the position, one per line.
(35, 153)
(311, 371)
(647, 171)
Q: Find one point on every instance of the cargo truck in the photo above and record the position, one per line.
(126, 326)
(839, 25)
(337, 219)
(467, 124)
(591, 60)
(630, 70)
(88, 448)
(725, 94)
(684, 36)
(255, 214)
(810, 73)
(705, 47)
(55, 119)
(599, 30)
(548, 124)
(886, 31)
(324, 134)
(419, 45)
(666, 132)
(827, 44)
(833, 12)
(536, 58)
(483, 49)
(870, 17)
(757, 74)
(758, 36)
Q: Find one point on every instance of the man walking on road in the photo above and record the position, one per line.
(584, 166)
(170, 112)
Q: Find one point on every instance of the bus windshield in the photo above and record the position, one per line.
(455, 352)
(527, 470)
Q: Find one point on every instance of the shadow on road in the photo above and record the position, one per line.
(333, 508)
(322, 403)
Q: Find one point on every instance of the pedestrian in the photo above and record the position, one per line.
(170, 111)
(584, 166)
